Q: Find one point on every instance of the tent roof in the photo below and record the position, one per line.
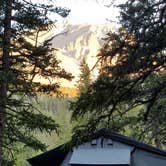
(58, 154)
(108, 133)
(103, 156)
(55, 156)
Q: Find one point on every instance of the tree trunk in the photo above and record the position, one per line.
(5, 71)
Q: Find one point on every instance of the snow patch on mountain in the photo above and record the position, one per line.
(76, 42)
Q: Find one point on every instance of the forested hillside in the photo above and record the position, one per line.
(58, 109)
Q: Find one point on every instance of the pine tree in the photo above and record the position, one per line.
(20, 62)
(139, 76)
(84, 77)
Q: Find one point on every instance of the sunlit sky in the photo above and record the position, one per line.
(89, 11)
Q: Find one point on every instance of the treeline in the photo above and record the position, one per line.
(57, 109)
(130, 91)
(21, 61)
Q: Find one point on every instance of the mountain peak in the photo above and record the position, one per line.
(76, 42)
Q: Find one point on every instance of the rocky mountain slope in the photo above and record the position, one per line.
(76, 42)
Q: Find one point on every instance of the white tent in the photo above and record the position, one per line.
(104, 148)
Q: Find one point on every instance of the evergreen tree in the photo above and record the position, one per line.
(20, 62)
(138, 78)
(84, 77)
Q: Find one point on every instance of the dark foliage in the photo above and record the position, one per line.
(133, 63)
(84, 77)
(20, 62)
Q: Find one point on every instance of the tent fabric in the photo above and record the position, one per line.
(58, 155)
(55, 156)
(143, 158)
(99, 165)
(101, 156)
(108, 133)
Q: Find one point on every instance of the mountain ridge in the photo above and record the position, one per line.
(77, 42)
(72, 43)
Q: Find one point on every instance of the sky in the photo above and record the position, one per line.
(89, 11)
